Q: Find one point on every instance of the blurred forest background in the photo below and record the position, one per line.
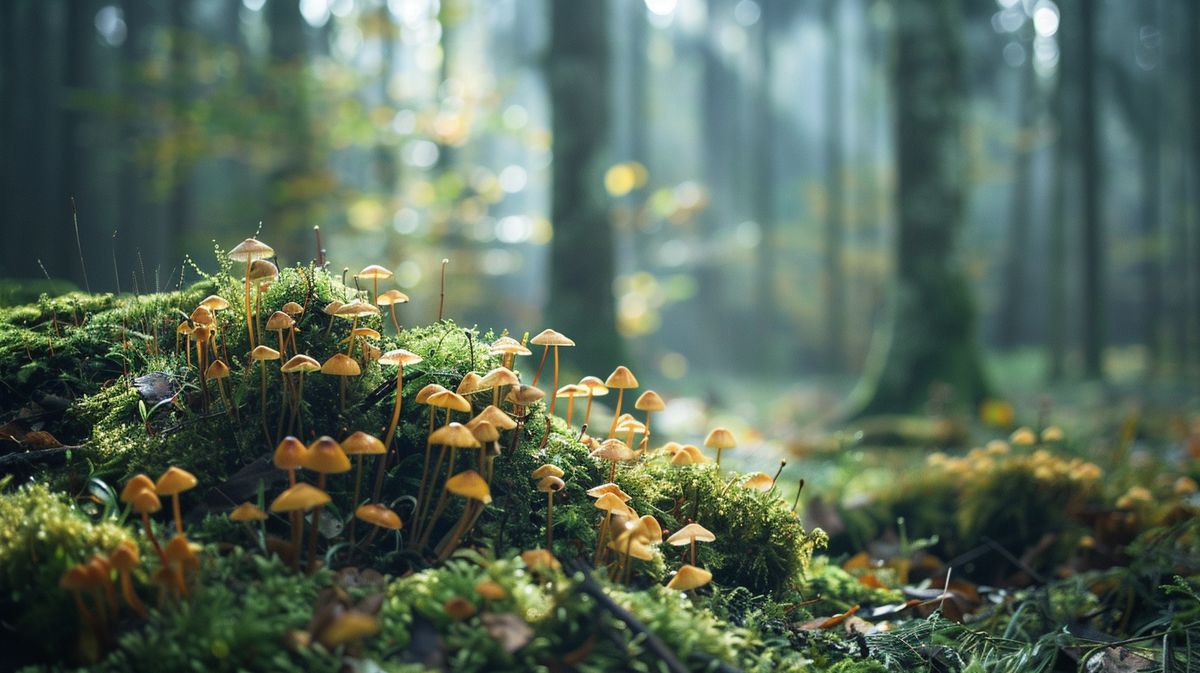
(761, 186)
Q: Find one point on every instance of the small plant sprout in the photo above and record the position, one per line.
(688, 536)
(173, 482)
(452, 436)
(508, 349)
(325, 457)
(374, 273)
(550, 339)
(299, 365)
(294, 501)
(470, 485)
(758, 481)
(331, 310)
(595, 388)
(341, 366)
(550, 484)
(361, 444)
(497, 379)
(247, 251)
(689, 577)
(219, 371)
(262, 354)
(621, 379)
(651, 403)
(399, 359)
(720, 439)
(442, 295)
(125, 558)
(389, 299)
(570, 391)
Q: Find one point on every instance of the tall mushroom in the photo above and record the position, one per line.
(262, 273)
(214, 303)
(497, 379)
(508, 348)
(373, 273)
(300, 365)
(341, 366)
(649, 402)
(549, 482)
(689, 535)
(353, 311)
(125, 558)
(399, 359)
(453, 436)
(325, 457)
(609, 503)
(280, 322)
(571, 391)
(331, 310)
(595, 388)
(361, 444)
(470, 485)
(140, 496)
(621, 379)
(219, 371)
(389, 299)
(294, 501)
(720, 439)
(262, 354)
(614, 451)
(247, 251)
(173, 482)
(550, 339)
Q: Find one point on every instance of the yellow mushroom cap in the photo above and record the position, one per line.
(250, 250)
(670, 448)
(759, 481)
(594, 385)
(360, 442)
(201, 333)
(378, 515)
(449, 400)
(633, 424)
(547, 470)
(689, 577)
(484, 431)
(139, 482)
(348, 627)
(399, 358)
(492, 414)
(693, 531)
(630, 543)
(470, 384)
(720, 438)
(525, 395)
(613, 449)
(458, 608)
(508, 346)
(571, 390)
(175, 481)
(621, 377)
(469, 484)
(125, 556)
(696, 454)
(341, 365)
(491, 590)
(279, 321)
(145, 501)
(549, 337)
(261, 269)
(500, 376)
(215, 302)
(292, 309)
(611, 502)
(247, 512)
(682, 458)
(537, 559)
(374, 272)
(202, 315)
(597, 491)
(183, 328)
(366, 332)
(326, 456)
(261, 352)
(428, 391)
(650, 401)
(455, 435)
(290, 453)
(551, 484)
(75, 578)
(178, 550)
(356, 308)
(649, 529)
(302, 496)
(391, 297)
(332, 307)
(300, 363)
(217, 370)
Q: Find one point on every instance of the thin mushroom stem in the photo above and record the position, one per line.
(175, 510)
(249, 319)
(600, 538)
(395, 323)
(391, 432)
(130, 595)
(549, 519)
(312, 534)
(357, 492)
(419, 510)
(554, 390)
(570, 408)
(541, 364)
(616, 414)
(153, 540)
(262, 367)
(298, 417)
(442, 498)
(450, 543)
(227, 399)
(587, 413)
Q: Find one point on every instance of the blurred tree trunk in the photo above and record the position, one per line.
(1192, 40)
(835, 224)
(1092, 220)
(181, 203)
(764, 193)
(718, 133)
(930, 341)
(1014, 299)
(581, 303)
(142, 210)
(1149, 122)
(1057, 254)
(386, 172)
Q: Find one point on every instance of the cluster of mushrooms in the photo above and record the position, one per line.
(455, 429)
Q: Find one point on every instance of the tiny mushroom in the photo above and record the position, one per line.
(689, 535)
(247, 251)
(649, 402)
(689, 577)
(300, 365)
(299, 498)
(389, 299)
(325, 457)
(550, 339)
(373, 273)
(571, 391)
(550, 484)
(720, 439)
(173, 482)
(341, 366)
(595, 388)
(758, 481)
(621, 379)
(498, 378)
(472, 486)
(125, 558)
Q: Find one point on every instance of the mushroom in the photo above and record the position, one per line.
(597, 491)
(399, 359)
(508, 348)
(613, 450)
(299, 498)
(550, 339)
(219, 371)
(550, 484)
(491, 590)
(689, 535)
(180, 558)
(214, 303)
(248, 513)
(348, 627)
(689, 577)
(76, 579)
(184, 328)
(200, 334)
(470, 485)
(355, 310)
(280, 322)
(362, 334)
(720, 439)
(759, 481)
(487, 435)
(378, 516)
(595, 388)
(341, 366)
(361, 444)
(389, 299)
(144, 501)
(301, 365)
(125, 558)
(262, 354)
(373, 273)
(325, 457)
(570, 391)
(290, 454)
(247, 251)
(649, 402)
(454, 436)
(522, 397)
(262, 273)
(631, 426)
(450, 401)
(458, 608)
(621, 379)
(173, 482)
(442, 296)
(470, 384)
(498, 378)
(331, 310)
(609, 503)
(631, 544)
(540, 559)
(423, 395)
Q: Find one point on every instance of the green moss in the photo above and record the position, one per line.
(839, 591)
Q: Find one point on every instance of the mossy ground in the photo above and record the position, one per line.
(68, 365)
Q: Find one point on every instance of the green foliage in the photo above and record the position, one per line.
(839, 591)
(41, 535)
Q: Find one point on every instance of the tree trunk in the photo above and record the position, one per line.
(1149, 121)
(834, 280)
(1014, 300)
(764, 195)
(581, 305)
(293, 184)
(1093, 262)
(930, 342)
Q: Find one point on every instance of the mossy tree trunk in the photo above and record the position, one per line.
(581, 301)
(930, 340)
